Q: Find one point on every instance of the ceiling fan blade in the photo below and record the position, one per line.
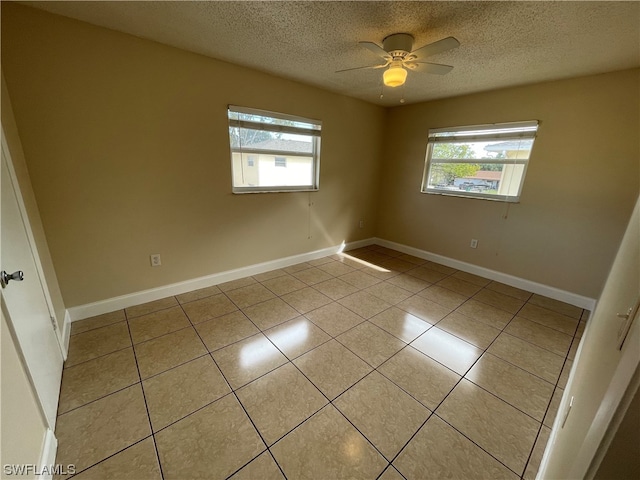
(427, 67)
(374, 48)
(436, 47)
(363, 68)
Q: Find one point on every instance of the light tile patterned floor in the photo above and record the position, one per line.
(370, 364)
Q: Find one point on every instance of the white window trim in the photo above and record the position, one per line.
(465, 134)
(315, 132)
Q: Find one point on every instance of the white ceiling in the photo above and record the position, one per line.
(502, 43)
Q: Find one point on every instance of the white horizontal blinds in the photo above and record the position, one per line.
(273, 127)
(497, 143)
(253, 119)
(483, 133)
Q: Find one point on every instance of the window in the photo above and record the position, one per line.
(481, 161)
(271, 141)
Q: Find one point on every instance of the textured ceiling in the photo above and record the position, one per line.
(502, 43)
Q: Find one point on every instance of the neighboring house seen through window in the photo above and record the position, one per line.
(481, 161)
(262, 143)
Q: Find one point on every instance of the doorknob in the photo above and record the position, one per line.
(5, 278)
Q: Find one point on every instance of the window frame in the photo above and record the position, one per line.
(503, 132)
(315, 132)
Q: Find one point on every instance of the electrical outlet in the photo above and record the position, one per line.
(361, 224)
(155, 260)
(474, 243)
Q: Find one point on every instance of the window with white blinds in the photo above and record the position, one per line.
(273, 152)
(480, 161)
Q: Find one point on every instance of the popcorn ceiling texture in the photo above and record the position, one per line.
(503, 43)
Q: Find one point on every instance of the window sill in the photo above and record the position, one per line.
(474, 195)
(242, 191)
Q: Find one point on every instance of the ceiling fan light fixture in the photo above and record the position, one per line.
(394, 76)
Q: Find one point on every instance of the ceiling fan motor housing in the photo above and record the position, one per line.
(398, 44)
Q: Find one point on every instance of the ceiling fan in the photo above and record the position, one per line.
(398, 57)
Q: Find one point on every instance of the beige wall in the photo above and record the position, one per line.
(22, 173)
(127, 147)
(22, 424)
(578, 194)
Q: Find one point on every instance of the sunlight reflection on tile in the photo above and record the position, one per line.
(401, 324)
(297, 336)
(409, 326)
(256, 352)
(294, 334)
(365, 263)
(352, 446)
(447, 349)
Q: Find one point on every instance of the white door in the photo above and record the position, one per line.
(604, 366)
(26, 302)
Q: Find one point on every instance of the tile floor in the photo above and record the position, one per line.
(370, 364)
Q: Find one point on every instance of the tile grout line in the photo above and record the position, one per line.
(95, 358)
(144, 396)
(464, 376)
(260, 331)
(75, 334)
(409, 344)
(526, 464)
(100, 398)
(479, 446)
(402, 388)
(460, 381)
(374, 369)
(433, 412)
(390, 463)
(330, 402)
(116, 391)
(111, 456)
(548, 403)
(542, 425)
(391, 467)
(127, 318)
(233, 392)
(524, 340)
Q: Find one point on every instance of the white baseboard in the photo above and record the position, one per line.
(528, 285)
(124, 301)
(117, 303)
(48, 455)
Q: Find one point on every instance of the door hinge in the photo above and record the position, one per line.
(54, 323)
